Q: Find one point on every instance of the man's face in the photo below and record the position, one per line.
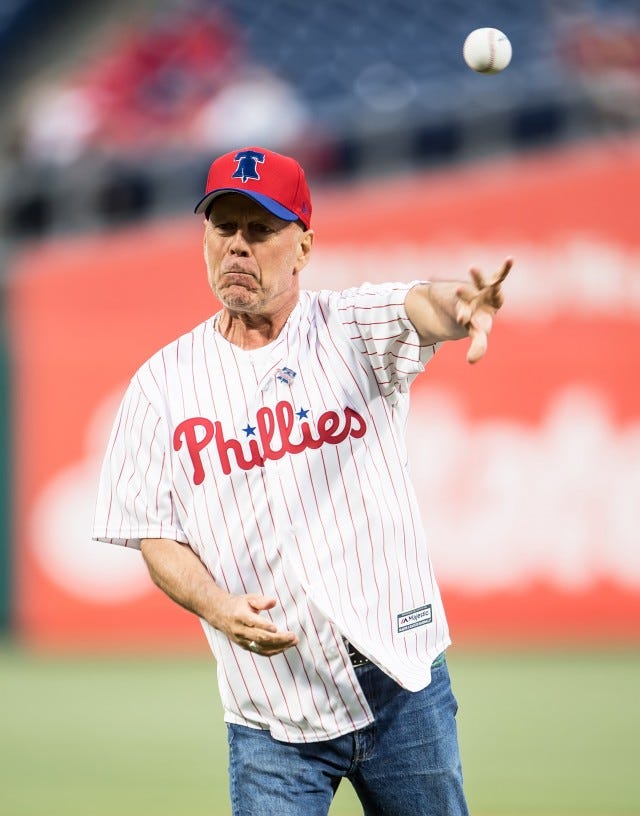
(253, 258)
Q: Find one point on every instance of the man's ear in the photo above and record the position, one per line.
(304, 249)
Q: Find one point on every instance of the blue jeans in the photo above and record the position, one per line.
(406, 763)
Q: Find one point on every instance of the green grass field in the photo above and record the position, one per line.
(544, 734)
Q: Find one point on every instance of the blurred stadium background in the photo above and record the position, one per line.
(528, 465)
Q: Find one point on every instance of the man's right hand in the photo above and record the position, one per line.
(238, 616)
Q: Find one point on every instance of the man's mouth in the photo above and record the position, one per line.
(238, 278)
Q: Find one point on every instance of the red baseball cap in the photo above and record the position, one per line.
(275, 181)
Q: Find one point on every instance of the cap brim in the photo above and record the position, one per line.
(268, 203)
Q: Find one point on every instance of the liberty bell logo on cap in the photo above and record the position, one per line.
(248, 165)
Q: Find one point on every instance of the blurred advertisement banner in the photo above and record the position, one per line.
(526, 465)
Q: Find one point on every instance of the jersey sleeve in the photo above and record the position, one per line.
(134, 492)
(375, 319)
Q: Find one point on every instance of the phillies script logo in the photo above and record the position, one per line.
(273, 432)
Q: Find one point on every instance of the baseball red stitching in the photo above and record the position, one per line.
(492, 49)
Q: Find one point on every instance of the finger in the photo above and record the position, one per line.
(261, 602)
(478, 345)
(502, 273)
(254, 625)
(490, 296)
(482, 321)
(259, 644)
(258, 604)
(271, 649)
(265, 636)
(476, 313)
(275, 651)
(477, 278)
(238, 620)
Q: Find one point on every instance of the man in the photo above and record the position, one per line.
(260, 465)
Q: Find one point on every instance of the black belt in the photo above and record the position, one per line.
(356, 657)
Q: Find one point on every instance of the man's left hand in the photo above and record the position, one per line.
(478, 301)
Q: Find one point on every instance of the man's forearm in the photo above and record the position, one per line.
(181, 575)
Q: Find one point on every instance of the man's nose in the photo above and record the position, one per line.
(238, 244)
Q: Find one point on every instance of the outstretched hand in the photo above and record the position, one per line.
(478, 301)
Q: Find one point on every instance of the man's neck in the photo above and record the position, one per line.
(250, 331)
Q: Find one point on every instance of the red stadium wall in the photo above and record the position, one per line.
(526, 464)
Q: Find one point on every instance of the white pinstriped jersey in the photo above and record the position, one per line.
(285, 469)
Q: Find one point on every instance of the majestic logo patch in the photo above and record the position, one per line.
(415, 617)
(247, 168)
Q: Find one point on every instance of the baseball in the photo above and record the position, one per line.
(487, 50)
